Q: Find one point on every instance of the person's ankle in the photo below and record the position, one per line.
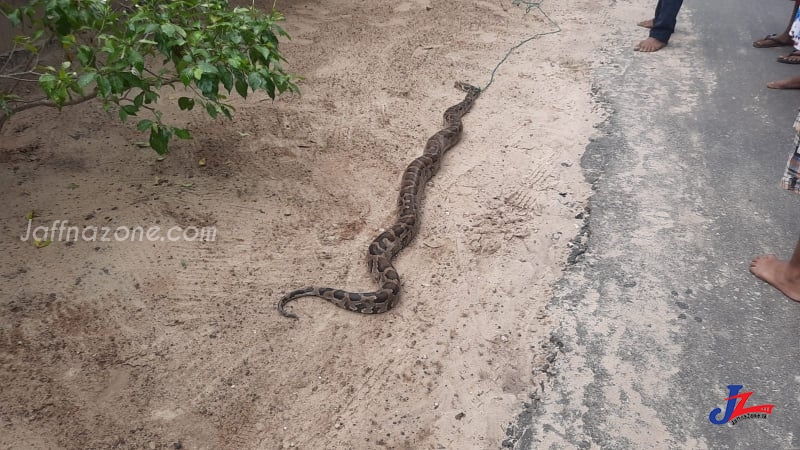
(793, 273)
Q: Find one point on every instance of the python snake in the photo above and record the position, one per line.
(389, 243)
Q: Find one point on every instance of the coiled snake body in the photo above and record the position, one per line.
(389, 243)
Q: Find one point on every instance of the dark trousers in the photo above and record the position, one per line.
(665, 18)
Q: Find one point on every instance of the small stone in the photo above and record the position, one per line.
(460, 416)
(152, 445)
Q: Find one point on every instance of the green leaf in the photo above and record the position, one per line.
(265, 53)
(138, 100)
(136, 60)
(226, 111)
(37, 35)
(255, 80)
(186, 76)
(207, 68)
(281, 31)
(144, 124)
(86, 78)
(212, 110)
(182, 133)
(150, 97)
(148, 42)
(127, 110)
(38, 243)
(186, 103)
(68, 41)
(117, 85)
(209, 86)
(131, 109)
(159, 139)
(270, 88)
(48, 82)
(182, 33)
(227, 80)
(241, 87)
(103, 87)
(15, 17)
(86, 55)
(236, 61)
(168, 29)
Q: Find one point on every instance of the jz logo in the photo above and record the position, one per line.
(735, 408)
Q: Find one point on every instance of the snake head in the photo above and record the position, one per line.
(468, 88)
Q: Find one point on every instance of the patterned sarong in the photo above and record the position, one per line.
(790, 179)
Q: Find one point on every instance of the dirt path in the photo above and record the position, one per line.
(147, 345)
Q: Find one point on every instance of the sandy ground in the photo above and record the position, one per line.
(178, 344)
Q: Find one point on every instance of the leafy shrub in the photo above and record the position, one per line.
(125, 52)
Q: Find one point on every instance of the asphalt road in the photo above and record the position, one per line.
(661, 314)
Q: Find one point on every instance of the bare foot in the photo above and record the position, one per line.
(646, 23)
(650, 45)
(779, 274)
(786, 83)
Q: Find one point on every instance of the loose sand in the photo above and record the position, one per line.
(150, 344)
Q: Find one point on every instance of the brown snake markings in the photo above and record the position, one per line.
(389, 243)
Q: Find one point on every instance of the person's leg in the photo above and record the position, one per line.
(794, 35)
(665, 19)
(782, 275)
(786, 83)
(662, 27)
(779, 40)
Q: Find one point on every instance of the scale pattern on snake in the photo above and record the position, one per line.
(389, 243)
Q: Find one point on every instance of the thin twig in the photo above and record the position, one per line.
(16, 78)
(9, 58)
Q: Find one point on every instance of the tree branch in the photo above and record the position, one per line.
(47, 103)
